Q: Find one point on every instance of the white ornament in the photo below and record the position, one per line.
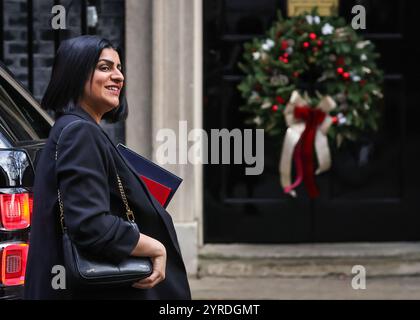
(256, 55)
(266, 105)
(356, 78)
(363, 57)
(327, 29)
(309, 19)
(366, 70)
(362, 44)
(341, 118)
(313, 19)
(267, 45)
(258, 120)
(378, 93)
(289, 50)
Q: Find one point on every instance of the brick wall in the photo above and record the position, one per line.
(15, 34)
(15, 17)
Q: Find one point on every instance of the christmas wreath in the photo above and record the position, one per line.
(316, 72)
(319, 55)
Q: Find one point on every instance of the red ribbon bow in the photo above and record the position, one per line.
(304, 151)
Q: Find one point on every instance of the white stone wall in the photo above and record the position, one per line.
(164, 87)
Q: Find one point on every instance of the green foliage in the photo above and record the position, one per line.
(295, 50)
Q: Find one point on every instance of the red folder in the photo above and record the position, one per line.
(158, 190)
(161, 183)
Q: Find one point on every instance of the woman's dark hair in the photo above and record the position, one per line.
(75, 60)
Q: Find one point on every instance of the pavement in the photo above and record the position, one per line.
(275, 288)
(308, 271)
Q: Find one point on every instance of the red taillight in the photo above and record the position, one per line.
(13, 264)
(16, 210)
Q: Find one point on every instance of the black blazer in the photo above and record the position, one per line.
(86, 171)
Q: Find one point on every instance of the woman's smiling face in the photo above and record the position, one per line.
(102, 93)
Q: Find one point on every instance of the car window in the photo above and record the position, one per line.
(18, 117)
(4, 139)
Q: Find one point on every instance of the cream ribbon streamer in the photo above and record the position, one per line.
(294, 132)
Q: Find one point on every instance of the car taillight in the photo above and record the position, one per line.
(16, 210)
(13, 264)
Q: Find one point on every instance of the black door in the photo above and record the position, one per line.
(370, 194)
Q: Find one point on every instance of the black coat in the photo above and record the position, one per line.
(86, 170)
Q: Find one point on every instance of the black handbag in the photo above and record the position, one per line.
(86, 270)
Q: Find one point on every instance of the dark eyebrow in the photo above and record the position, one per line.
(109, 61)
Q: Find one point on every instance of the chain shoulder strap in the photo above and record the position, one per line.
(129, 213)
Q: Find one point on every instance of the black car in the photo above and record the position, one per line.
(24, 127)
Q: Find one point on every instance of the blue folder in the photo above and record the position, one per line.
(161, 183)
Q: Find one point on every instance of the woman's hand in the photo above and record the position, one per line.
(158, 274)
(155, 250)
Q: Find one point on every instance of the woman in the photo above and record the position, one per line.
(86, 86)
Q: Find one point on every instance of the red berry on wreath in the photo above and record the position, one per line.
(340, 70)
(346, 75)
(284, 45)
(319, 43)
(312, 36)
(275, 108)
(280, 100)
(283, 59)
(334, 119)
(306, 44)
